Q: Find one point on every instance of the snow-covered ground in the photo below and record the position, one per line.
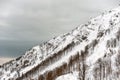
(69, 76)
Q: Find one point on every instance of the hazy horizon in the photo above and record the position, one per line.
(26, 23)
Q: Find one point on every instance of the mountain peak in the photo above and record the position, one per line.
(92, 50)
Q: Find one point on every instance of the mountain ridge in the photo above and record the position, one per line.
(89, 47)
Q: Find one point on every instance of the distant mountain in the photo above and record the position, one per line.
(89, 52)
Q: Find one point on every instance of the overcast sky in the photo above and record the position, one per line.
(26, 23)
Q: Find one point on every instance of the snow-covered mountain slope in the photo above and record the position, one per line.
(69, 76)
(92, 50)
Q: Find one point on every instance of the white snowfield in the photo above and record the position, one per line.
(70, 76)
(105, 29)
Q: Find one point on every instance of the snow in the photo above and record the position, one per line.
(65, 58)
(70, 76)
(100, 50)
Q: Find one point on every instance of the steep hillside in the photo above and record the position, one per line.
(89, 52)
